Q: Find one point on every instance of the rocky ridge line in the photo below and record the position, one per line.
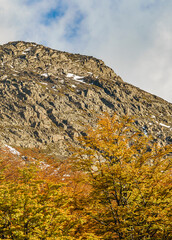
(47, 97)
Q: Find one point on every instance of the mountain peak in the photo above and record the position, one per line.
(30, 54)
(48, 97)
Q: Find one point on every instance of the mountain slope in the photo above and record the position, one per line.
(48, 97)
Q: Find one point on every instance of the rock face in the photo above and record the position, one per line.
(48, 97)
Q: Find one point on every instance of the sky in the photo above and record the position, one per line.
(133, 37)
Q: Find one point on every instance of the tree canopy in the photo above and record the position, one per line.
(129, 175)
(116, 185)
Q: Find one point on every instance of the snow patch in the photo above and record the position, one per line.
(4, 77)
(75, 77)
(12, 150)
(44, 75)
(163, 125)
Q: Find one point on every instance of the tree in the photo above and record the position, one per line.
(129, 176)
(32, 206)
(36, 198)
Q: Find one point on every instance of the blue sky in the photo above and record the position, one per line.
(134, 37)
(55, 13)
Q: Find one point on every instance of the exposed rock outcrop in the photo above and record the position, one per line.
(48, 97)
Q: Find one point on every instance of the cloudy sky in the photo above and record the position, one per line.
(134, 37)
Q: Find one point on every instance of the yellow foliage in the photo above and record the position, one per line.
(130, 180)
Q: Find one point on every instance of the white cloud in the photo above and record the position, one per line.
(133, 37)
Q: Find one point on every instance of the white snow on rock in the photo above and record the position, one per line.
(75, 77)
(12, 150)
(4, 77)
(163, 125)
(44, 75)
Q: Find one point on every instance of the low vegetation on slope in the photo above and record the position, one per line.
(116, 186)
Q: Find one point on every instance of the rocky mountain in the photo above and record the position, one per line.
(48, 97)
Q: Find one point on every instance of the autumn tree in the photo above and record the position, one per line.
(129, 178)
(37, 193)
(32, 205)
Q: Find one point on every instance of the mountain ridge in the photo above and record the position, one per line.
(47, 97)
